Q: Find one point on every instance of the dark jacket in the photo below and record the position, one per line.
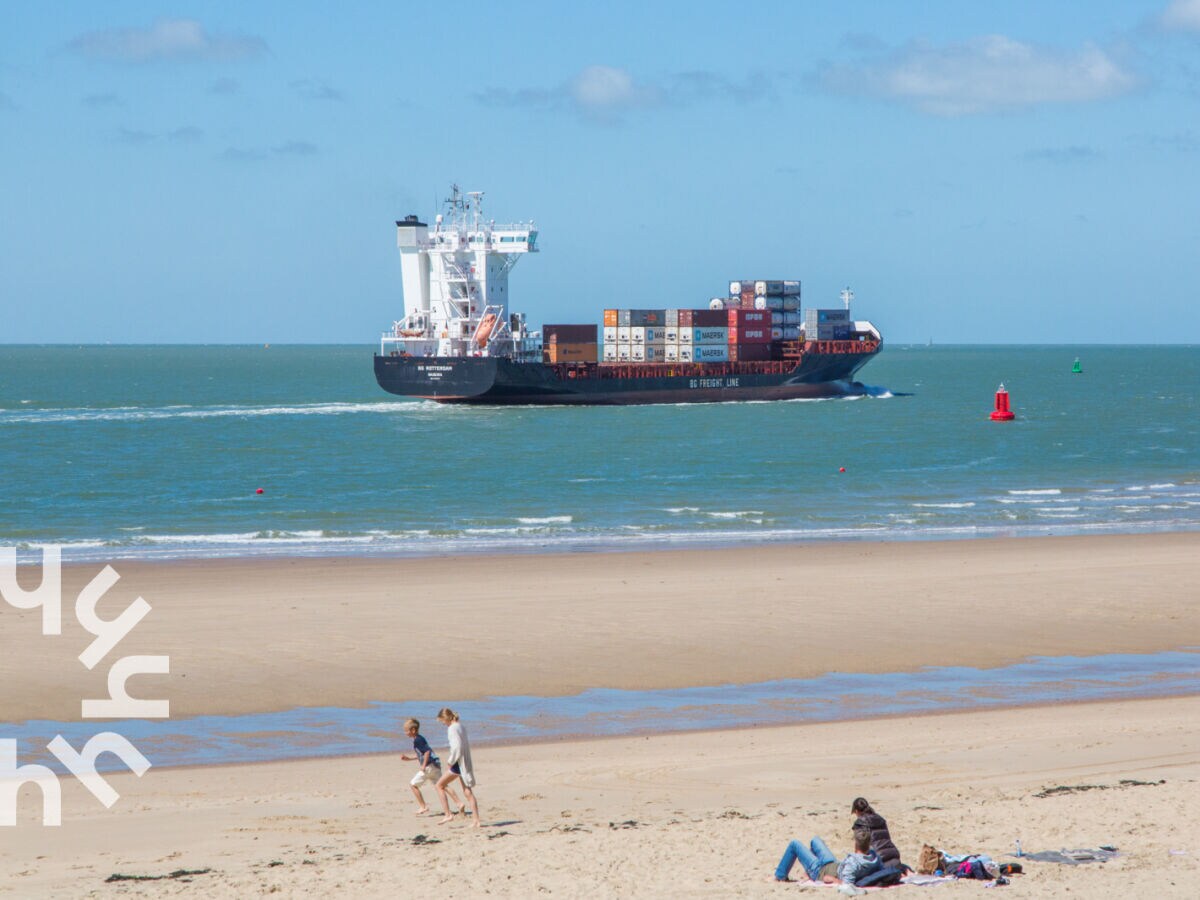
(881, 841)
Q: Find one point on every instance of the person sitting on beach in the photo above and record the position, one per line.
(459, 759)
(429, 767)
(881, 839)
(822, 866)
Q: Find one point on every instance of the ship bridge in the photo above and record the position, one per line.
(455, 279)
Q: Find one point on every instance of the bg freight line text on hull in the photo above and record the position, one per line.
(459, 343)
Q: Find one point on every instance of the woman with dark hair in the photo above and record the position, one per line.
(881, 840)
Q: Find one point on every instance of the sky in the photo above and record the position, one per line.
(986, 172)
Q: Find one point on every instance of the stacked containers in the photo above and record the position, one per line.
(665, 335)
(569, 344)
(827, 324)
(749, 335)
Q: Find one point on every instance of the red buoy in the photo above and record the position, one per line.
(259, 491)
(1002, 413)
(842, 469)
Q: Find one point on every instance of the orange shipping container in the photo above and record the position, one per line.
(569, 353)
(610, 318)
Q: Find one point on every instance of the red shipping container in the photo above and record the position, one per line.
(569, 334)
(758, 352)
(739, 318)
(750, 334)
(709, 318)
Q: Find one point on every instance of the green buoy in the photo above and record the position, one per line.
(1077, 369)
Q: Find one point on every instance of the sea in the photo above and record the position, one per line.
(174, 452)
(160, 452)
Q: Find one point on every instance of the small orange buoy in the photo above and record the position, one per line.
(259, 491)
(1002, 413)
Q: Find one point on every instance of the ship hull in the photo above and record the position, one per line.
(498, 382)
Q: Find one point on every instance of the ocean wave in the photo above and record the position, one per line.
(545, 520)
(157, 413)
(736, 514)
(965, 505)
(1037, 492)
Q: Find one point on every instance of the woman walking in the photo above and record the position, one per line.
(458, 761)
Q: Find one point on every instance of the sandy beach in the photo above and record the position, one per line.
(672, 815)
(695, 814)
(262, 635)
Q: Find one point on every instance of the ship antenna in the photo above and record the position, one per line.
(847, 296)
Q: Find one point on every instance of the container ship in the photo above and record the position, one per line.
(459, 343)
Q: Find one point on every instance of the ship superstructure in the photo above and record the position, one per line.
(455, 278)
(460, 342)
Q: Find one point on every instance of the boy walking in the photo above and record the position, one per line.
(429, 767)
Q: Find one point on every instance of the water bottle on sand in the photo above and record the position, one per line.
(1019, 853)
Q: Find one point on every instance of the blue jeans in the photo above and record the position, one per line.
(813, 858)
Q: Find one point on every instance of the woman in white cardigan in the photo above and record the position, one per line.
(458, 763)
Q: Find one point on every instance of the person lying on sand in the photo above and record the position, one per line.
(821, 865)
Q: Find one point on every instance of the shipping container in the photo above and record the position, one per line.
(569, 334)
(657, 333)
(748, 298)
(656, 353)
(685, 352)
(637, 334)
(791, 289)
(737, 287)
(568, 353)
(623, 317)
(610, 334)
(623, 334)
(750, 352)
(644, 317)
(685, 318)
(791, 318)
(671, 317)
(821, 316)
(610, 352)
(671, 334)
(637, 353)
(750, 334)
(624, 352)
(768, 288)
(776, 318)
(710, 336)
(791, 332)
(743, 317)
(769, 302)
(791, 302)
(671, 354)
(610, 318)
(710, 353)
(777, 333)
(710, 317)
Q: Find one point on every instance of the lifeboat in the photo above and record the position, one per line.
(484, 331)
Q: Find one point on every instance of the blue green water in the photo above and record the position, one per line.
(130, 451)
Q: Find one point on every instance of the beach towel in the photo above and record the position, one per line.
(1073, 857)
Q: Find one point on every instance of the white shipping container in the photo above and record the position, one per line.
(671, 334)
(637, 334)
(637, 353)
(623, 334)
(710, 335)
(610, 353)
(671, 353)
(685, 336)
(771, 303)
(610, 334)
(685, 352)
(656, 353)
(624, 352)
(768, 288)
(710, 353)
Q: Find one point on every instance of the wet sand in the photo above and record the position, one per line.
(669, 815)
(263, 635)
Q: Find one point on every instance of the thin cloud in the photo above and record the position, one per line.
(188, 134)
(99, 101)
(225, 86)
(166, 40)
(1065, 156)
(316, 90)
(982, 75)
(242, 154)
(608, 93)
(1181, 15)
(295, 148)
(134, 136)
